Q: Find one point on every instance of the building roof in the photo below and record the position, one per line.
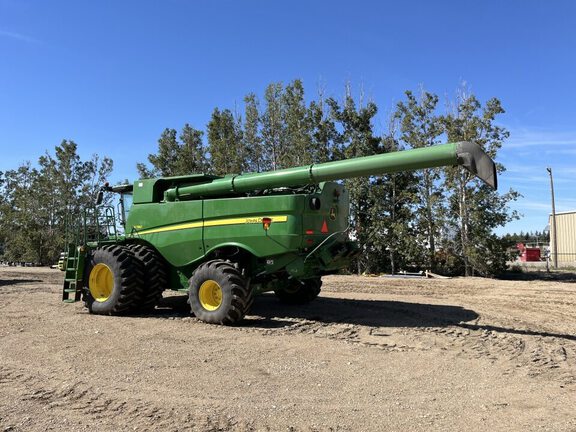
(563, 213)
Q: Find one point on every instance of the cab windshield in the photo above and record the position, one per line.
(126, 204)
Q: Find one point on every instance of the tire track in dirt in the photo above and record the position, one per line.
(529, 352)
(74, 402)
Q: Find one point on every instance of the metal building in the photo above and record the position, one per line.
(566, 237)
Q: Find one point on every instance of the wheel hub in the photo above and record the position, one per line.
(210, 295)
(101, 282)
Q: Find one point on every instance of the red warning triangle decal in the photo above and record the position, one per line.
(324, 229)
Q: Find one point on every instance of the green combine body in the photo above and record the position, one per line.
(225, 239)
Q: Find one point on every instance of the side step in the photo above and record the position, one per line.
(71, 287)
(74, 269)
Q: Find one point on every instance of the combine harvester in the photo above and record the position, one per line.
(226, 239)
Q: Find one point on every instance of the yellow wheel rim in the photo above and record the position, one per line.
(210, 295)
(101, 282)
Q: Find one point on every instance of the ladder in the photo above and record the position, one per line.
(73, 262)
(96, 226)
(73, 258)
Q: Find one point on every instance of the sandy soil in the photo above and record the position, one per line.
(370, 354)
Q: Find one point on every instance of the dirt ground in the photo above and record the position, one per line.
(371, 354)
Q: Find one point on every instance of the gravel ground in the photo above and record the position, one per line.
(370, 354)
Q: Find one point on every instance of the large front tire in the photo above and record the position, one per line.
(114, 281)
(219, 294)
(300, 292)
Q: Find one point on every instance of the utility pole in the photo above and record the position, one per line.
(549, 169)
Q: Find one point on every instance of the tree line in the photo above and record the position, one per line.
(440, 219)
(38, 202)
(527, 237)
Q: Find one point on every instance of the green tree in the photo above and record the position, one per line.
(420, 127)
(40, 201)
(164, 162)
(2, 212)
(322, 130)
(297, 137)
(17, 213)
(356, 138)
(251, 137)
(227, 152)
(175, 157)
(474, 209)
(273, 127)
(397, 198)
(192, 154)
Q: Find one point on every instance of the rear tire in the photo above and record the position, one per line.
(219, 294)
(155, 276)
(113, 281)
(300, 292)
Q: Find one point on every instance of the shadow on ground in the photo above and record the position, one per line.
(526, 332)
(8, 282)
(268, 312)
(540, 275)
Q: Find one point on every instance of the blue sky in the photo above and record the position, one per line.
(111, 75)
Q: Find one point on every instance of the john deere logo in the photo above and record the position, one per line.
(332, 213)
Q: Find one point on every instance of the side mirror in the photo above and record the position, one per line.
(99, 197)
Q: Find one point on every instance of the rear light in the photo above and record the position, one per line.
(309, 232)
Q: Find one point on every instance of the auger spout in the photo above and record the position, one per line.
(465, 154)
